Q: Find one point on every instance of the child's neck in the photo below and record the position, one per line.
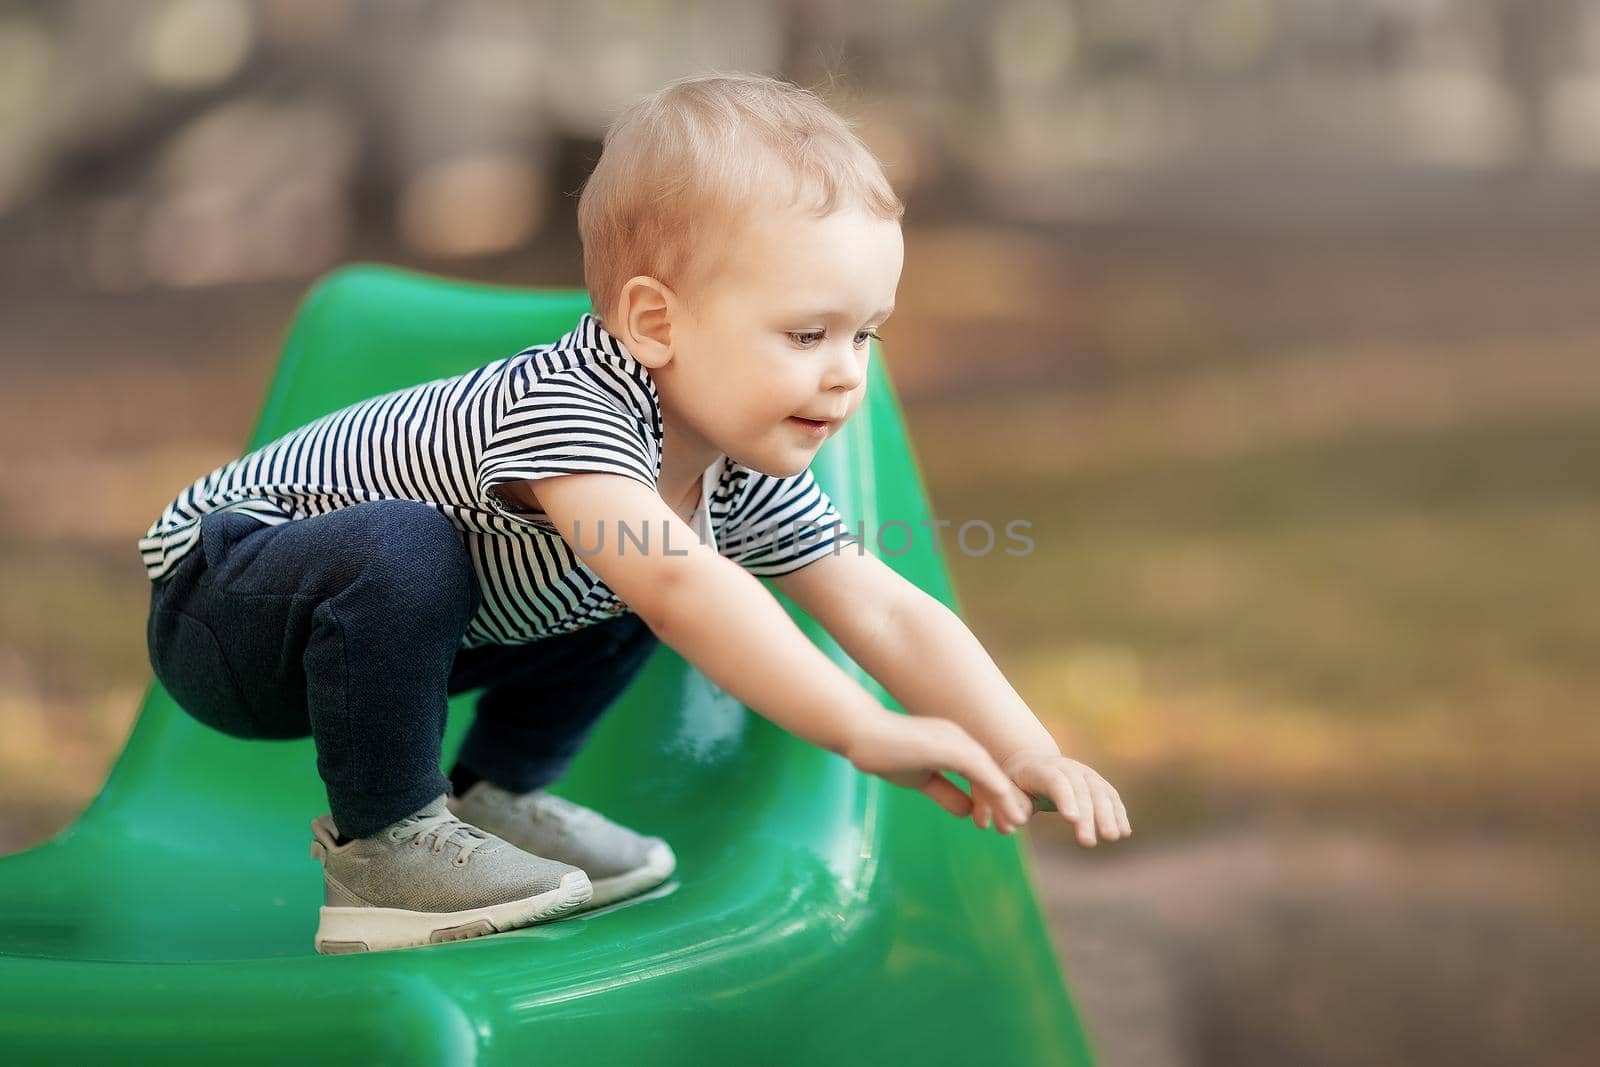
(684, 459)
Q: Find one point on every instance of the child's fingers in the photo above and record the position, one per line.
(973, 762)
(982, 814)
(1106, 810)
(948, 795)
(1085, 803)
(1008, 798)
(1061, 795)
(992, 816)
(1021, 801)
(1081, 796)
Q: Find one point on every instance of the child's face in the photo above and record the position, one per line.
(781, 334)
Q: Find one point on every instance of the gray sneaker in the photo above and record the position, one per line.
(619, 862)
(431, 877)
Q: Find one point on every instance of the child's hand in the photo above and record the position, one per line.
(1076, 790)
(915, 751)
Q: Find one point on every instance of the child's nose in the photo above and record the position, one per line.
(847, 369)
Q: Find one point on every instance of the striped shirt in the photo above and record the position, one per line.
(580, 404)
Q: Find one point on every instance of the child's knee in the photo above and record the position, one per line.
(190, 663)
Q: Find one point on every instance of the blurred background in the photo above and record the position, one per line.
(1279, 319)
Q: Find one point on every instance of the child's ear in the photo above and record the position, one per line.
(644, 321)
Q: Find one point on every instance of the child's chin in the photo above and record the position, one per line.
(785, 464)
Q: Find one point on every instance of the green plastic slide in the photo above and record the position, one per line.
(817, 914)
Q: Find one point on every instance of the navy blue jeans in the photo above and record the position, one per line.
(346, 627)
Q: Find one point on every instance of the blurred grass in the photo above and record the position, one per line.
(1386, 618)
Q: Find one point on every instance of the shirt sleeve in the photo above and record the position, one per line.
(573, 422)
(782, 524)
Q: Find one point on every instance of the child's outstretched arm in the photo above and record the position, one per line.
(718, 616)
(922, 653)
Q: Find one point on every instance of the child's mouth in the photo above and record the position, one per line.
(812, 426)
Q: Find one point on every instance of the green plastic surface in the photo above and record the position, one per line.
(817, 914)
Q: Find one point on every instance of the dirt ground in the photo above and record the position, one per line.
(1294, 944)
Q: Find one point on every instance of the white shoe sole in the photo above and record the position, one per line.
(342, 930)
(659, 863)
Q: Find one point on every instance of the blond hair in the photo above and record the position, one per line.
(679, 167)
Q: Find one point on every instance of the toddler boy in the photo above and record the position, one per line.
(741, 247)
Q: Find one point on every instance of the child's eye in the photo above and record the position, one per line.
(807, 338)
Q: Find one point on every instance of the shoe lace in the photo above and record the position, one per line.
(444, 829)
